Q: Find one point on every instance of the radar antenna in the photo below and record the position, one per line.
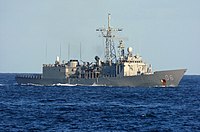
(110, 53)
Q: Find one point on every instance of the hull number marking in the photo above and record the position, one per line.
(169, 77)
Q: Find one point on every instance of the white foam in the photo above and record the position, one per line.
(65, 84)
(95, 85)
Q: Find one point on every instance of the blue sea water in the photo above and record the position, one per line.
(80, 108)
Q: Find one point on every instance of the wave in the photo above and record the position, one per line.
(64, 84)
(67, 84)
(2, 84)
(59, 84)
(96, 85)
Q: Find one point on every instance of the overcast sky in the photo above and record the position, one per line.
(166, 33)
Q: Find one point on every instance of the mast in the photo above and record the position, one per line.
(60, 51)
(80, 53)
(107, 33)
(68, 51)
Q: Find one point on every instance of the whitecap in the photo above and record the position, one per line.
(2, 84)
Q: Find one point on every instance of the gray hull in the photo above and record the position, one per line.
(171, 78)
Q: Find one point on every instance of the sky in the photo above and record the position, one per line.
(166, 33)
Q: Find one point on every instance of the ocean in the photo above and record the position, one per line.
(95, 108)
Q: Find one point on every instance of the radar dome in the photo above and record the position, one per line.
(129, 49)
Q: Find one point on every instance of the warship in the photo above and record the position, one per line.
(116, 69)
